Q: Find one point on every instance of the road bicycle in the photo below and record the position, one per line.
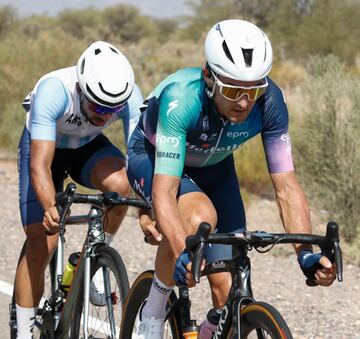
(242, 316)
(70, 314)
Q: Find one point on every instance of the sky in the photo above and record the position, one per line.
(155, 8)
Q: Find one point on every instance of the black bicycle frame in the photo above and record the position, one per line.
(94, 218)
(240, 292)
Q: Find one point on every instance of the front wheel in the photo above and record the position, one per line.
(105, 317)
(134, 302)
(261, 320)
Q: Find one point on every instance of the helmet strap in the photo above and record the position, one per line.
(82, 110)
(207, 73)
(211, 91)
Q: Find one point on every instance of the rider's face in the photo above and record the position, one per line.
(95, 118)
(234, 111)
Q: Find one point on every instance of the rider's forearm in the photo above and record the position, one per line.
(42, 154)
(294, 210)
(43, 185)
(168, 218)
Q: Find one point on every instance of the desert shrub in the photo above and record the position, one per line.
(252, 170)
(288, 74)
(7, 18)
(126, 23)
(21, 65)
(82, 23)
(327, 147)
(153, 62)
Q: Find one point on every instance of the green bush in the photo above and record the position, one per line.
(327, 145)
(252, 170)
(22, 64)
(7, 19)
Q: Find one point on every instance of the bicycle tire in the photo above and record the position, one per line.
(137, 295)
(49, 279)
(262, 318)
(105, 256)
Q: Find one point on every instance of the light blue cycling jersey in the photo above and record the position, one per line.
(183, 123)
(53, 111)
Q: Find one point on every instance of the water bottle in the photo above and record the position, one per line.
(69, 270)
(191, 332)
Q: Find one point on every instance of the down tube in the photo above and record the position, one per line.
(66, 315)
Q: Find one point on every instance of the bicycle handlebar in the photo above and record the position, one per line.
(329, 244)
(108, 199)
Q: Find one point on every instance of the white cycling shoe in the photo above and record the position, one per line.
(148, 328)
(97, 289)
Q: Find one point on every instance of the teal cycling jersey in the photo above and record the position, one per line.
(184, 125)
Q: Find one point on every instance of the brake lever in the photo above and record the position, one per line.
(197, 260)
(338, 261)
(332, 234)
(195, 244)
(65, 206)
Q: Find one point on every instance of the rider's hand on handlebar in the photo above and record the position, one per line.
(325, 275)
(317, 268)
(183, 275)
(150, 230)
(51, 220)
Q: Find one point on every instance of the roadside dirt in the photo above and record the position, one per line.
(310, 312)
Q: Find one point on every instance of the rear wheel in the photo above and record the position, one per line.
(261, 320)
(104, 321)
(137, 296)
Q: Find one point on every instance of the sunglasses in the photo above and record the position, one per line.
(102, 110)
(234, 93)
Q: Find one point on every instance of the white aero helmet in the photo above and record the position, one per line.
(239, 50)
(105, 75)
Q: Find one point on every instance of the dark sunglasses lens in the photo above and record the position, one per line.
(102, 110)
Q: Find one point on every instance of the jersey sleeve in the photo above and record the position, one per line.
(177, 116)
(48, 104)
(131, 120)
(275, 134)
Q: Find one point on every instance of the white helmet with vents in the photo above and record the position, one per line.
(239, 50)
(105, 75)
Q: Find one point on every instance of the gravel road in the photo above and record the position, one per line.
(310, 312)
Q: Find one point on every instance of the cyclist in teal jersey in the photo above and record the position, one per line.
(180, 161)
(66, 113)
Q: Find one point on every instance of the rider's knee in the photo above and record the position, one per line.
(39, 246)
(119, 184)
(203, 214)
(196, 208)
(123, 188)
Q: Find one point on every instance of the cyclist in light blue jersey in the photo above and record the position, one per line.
(66, 114)
(180, 160)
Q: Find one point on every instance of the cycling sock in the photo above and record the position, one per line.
(25, 318)
(108, 238)
(158, 297)
(207, 329)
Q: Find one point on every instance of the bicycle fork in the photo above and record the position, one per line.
(88, 254)
(96, 238)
